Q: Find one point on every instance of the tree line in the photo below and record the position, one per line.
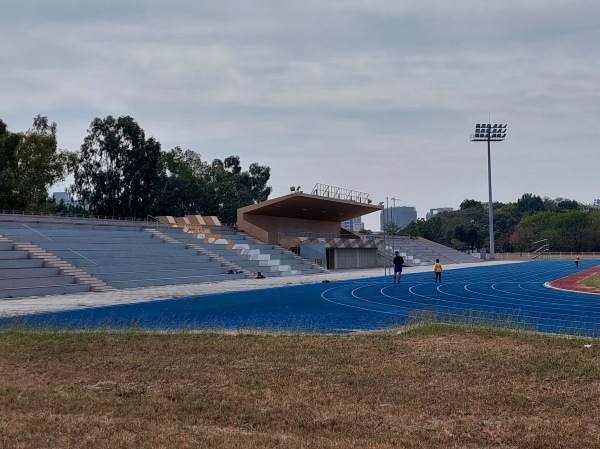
(120, 172)
(568, 226)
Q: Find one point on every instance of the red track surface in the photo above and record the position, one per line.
(576, 282)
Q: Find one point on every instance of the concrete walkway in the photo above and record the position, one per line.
(52, 303)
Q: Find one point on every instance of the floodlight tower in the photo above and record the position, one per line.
(488, 133)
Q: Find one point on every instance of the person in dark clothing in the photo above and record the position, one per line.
(398, 262)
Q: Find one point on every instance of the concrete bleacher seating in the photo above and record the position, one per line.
(447, 255)
(21, 275)
(86, 254)
(52, 255)
(242, 251)
(420, 251)
(167, 219)
(194, 220)
(121, 255)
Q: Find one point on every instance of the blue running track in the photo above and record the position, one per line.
(504, 295)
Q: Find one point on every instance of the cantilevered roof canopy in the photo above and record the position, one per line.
(304, 206)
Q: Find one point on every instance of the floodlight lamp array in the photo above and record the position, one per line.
(484, 132)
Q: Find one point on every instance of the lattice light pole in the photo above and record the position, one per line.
(488, 133)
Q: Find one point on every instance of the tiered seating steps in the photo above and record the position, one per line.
(420, 252)
(242, 251)
(22, 275)
(120, 256)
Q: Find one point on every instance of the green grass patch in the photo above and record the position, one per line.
(593, 281)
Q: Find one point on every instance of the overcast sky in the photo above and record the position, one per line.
(377, 96)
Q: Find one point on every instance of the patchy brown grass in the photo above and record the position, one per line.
(434, 386)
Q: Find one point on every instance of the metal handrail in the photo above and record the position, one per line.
(82, 256)
(36, 231)
(154, 218)
(320, 260)
(68, 215)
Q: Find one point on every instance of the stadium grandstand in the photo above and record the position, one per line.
(293, 235)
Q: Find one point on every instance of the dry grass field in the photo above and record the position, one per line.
(427, 386)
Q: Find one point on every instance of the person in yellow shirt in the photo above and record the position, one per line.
(438, 271)
(577, 261)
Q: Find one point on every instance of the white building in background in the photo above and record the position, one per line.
(67, 200)
(433, 212)
(354, 225)
(64, 197)
(597, 203)
(401, 216)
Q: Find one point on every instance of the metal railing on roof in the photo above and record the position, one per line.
(340, 193)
